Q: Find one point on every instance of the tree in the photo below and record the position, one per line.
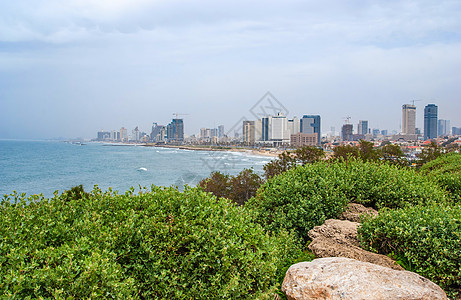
(244, 186)
(237, 188)
(218, 184)
(346, 152)
(287, 160)
(393, 154)
(429, 153)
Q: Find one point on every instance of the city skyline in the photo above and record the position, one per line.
(67, 68)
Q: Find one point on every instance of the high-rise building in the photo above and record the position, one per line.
(456, 130)
(103, 135)
(346, 132)
(362, 128)
(265, 126)
(175, 131)
(279, 133)
(248, 132)
(158, 133)
(430, 121)
(311, 124)
(443, 127)
(220, 131)
(294, 125)
(123, 134)
(408, 119)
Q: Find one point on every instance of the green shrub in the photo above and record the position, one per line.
(158, 244)
(306, 196)
(424, 239)
(446, 171)
(300, 198)
(381, 185)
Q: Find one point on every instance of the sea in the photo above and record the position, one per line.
(43, 167)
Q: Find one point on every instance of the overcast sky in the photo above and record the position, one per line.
(71, 68)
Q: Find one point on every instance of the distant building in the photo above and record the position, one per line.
(213, 132)
(430, 121)
(103, 135)
(408, 119)
(175, 131)
(279, 133)
(376, 132)
(443, 127)
(347, 132)
(456, 130)
(311, 124)
(220, 131)
(265, 126)
(362, 127)
(304, 139)
(123, 134)
(249, 132)
(158, 133)
(385, 132)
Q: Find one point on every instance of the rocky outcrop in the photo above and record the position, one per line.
(338, 238)
(355, 210)
(344, 278)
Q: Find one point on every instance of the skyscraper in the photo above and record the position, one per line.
(346, 132)
(443, 127)
(248, 132)
(363, 127)
(311, 124)
(430, 121)
(408, 119)
(175, 130)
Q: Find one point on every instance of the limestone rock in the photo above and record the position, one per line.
(349, 279)
(355, 210)
(338, 238)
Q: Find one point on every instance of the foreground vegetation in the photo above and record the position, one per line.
(232, 236)
(159, 244)
(425, 239)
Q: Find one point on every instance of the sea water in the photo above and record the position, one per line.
(35, 167)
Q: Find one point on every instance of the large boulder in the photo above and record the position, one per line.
(338, 238)
(348, 279)
(354, 211)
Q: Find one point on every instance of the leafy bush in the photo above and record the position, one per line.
(424, 239)
(446, 170)
(156, 244)
(384, 185)
(306, 196)
(300, 198)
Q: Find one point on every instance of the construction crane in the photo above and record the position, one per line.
(347, 119)
(176, 126)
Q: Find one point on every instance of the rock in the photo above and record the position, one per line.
(355, 210)
(347, 279)
(338, 238)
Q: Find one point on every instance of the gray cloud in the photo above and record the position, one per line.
(71, 68)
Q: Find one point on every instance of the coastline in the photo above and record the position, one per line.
(256, 152)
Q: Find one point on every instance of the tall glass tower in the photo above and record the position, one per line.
(311, 124)
(430, 121)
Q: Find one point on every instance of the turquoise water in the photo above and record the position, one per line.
(35, 167)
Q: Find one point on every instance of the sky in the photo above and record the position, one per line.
(71, 68)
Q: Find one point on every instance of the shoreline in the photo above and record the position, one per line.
(256, 152)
